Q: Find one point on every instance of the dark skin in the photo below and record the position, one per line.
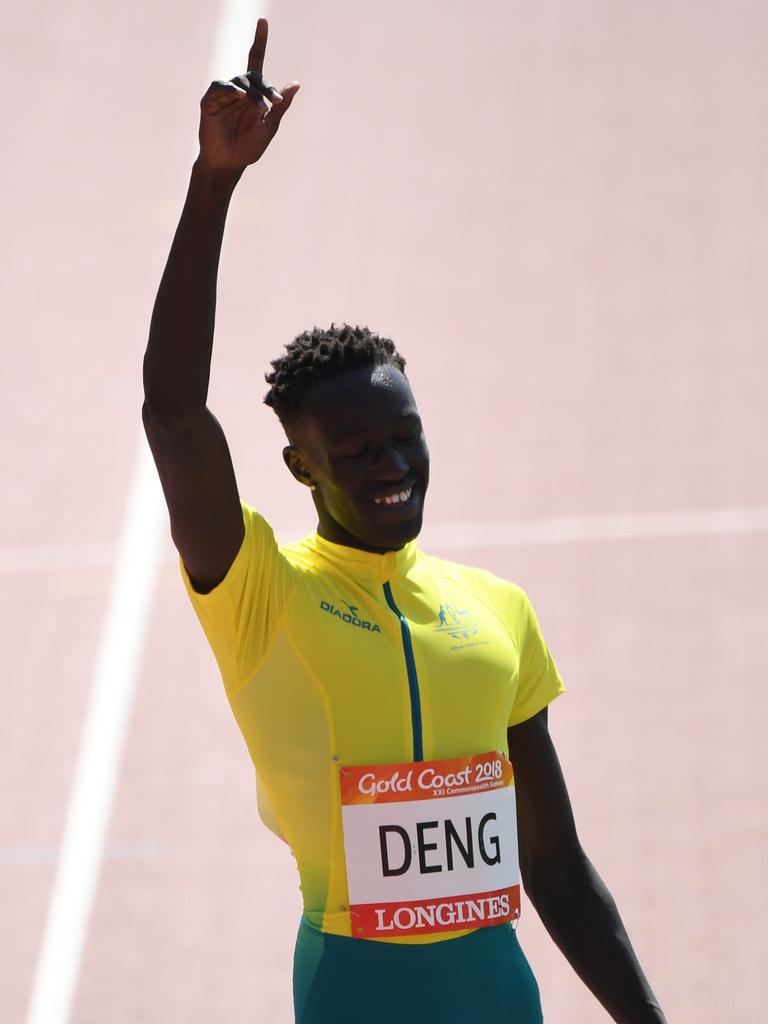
(357, 441)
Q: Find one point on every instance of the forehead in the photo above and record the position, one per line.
(362, 399)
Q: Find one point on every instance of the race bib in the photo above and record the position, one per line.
(430, 846)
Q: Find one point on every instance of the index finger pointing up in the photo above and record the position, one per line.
(257, 51)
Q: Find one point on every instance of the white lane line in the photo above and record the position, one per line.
(234, 34)
(492, 533)
(588, 529)
(26, 854)
(56, 557)
(117, 664)
(101, 747)
(67, 557)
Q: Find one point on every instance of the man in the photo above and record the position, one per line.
(379, 690)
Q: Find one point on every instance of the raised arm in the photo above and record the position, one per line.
(190, 450)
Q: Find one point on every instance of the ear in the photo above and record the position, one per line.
(298, 470)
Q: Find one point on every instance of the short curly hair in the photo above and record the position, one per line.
(319, 354)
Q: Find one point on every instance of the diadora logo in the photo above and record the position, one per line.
(351, 617)
(456, 622)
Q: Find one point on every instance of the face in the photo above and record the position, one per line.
(359, 442)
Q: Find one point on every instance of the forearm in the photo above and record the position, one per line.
(178, 357)
(581, 916)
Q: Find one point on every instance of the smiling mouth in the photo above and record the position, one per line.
(396, 498)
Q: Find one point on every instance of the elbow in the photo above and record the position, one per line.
(157, 415)
(161, 424)
(169, 393)
(150, 378)
(149, 418)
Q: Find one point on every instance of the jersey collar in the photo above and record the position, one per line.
(367, 564)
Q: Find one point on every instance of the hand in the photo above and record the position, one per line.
(236, 122)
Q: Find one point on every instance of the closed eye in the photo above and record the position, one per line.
(407, 437)
(360, 452)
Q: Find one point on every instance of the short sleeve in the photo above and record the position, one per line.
(539, 681)
(241, 615)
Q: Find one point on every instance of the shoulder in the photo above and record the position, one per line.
(257, 547)
(260, 556)
(260, 533)
(486, 586)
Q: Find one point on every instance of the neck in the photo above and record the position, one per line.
(336, 534)
(330, 529)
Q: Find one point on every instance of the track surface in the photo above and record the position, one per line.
(559, 212)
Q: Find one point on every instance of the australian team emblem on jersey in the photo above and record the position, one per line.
(457, 622)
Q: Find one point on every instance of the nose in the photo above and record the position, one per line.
(391, 464)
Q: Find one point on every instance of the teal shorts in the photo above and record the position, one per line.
(481, 977)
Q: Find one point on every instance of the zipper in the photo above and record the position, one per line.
(413, 680)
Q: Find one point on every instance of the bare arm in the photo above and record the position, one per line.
(569, 895)
(187, 442)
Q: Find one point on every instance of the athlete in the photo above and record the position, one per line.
(394, 704)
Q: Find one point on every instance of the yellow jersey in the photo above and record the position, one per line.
(333, 656)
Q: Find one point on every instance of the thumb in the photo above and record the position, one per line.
(279, 107)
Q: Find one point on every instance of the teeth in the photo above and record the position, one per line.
(395, 499)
